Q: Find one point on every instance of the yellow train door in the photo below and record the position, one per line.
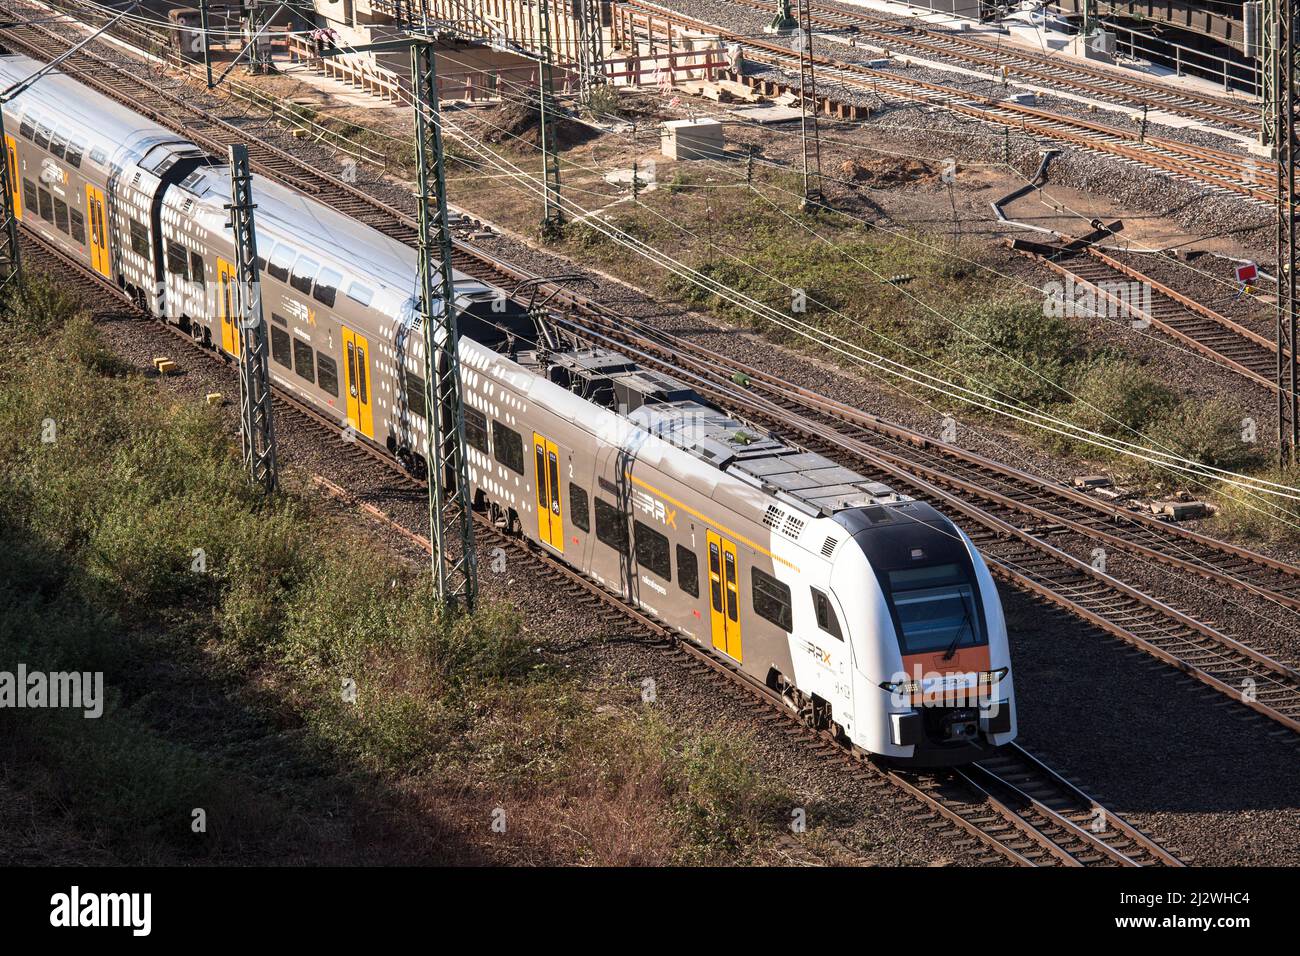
(98, 230)
(227, 306)
(724, 595)
(357, 360)
(550, 514)
(11, 163)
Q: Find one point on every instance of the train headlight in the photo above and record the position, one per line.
(992, 677)
(902, 687)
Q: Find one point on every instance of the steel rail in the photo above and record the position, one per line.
(951, 808)
(1026, 560)
(1224, 341)
(1109, 85)
(1218, 169)
(394, 223)
(958, 468)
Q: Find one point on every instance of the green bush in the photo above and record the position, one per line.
(1209, 432)
(1013, 352)
(1120, 398)
(1260, 515)
(98, 534)
(720, 800)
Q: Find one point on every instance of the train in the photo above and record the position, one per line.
(872, 614)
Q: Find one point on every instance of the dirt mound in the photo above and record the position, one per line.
(887, 172)
(517, 125)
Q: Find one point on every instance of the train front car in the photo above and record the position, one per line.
(932, 678)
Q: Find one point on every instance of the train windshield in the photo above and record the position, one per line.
(935, 609)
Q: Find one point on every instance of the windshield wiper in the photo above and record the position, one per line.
(965, 625)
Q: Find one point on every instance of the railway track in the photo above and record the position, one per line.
(1016, 546)
(1224, 341)
(1011, 516)
(1054, 71)
(1011, 805)
(1010, 532)
(1248, 178)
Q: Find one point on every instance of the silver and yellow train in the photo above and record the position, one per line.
(871, 613)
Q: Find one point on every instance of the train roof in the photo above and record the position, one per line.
(804, 480)
(360, 252)
(108, 128)
(286, 216)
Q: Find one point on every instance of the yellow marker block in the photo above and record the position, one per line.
(165, 366)
(213, 398)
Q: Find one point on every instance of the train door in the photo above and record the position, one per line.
(724, 595)
(227, 306)
(98, 230)
(11, 163)
(357, 359)
(550, 514)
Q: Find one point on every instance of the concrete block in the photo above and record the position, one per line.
(1181, 510)
(693, 139)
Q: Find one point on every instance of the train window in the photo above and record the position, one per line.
(47, 205)
(826, 618)
(579, 508)
(76, 149)
(97, 155)
(935, 609)
(327, 374)
(178, 260)
(197, 272)
(59, 144)
(304, 271)
(279, 319)
(611, 525)
(30, 202)
(281, 349)
(327, 287)
(476, 432)
(508, 447)
(78, 224)
(280, 262)
(360, 293)
(688, 571)
(42, 137)
(771, 599)
(139, 239)
(61, 214)
(302, 360)
(362, 397)
(27, 129)
(417, 407)
(733, 588)
(263, 252)
(652, 550)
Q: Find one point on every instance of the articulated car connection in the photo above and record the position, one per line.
(870, 612)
